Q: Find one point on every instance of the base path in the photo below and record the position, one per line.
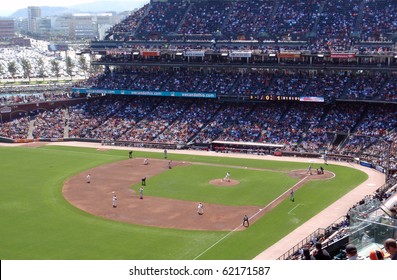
(96, 198)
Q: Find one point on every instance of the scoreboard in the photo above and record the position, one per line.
(286, 98)
(274, 98)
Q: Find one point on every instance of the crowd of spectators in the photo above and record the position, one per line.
(85, 119)
(49, 124)
(294, 18)
(338, 85)
(366, 86)
(249, 17)
(294, 85)
(379, 18)
(16, 129)
(332, 25)
(163, 17)
(229, 124)
(297, 126)
(336, 24)
(205, 17)
(329, 85)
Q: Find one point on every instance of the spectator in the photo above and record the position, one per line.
(351, 252)
(306, 255)
(321, 254)
(391, 247)
(376, 255)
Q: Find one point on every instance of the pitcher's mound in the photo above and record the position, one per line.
(224, 183)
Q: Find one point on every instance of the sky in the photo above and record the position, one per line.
(9, 7)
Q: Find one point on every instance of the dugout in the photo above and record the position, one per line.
(245, 147)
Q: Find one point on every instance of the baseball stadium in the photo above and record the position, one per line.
(210, 130)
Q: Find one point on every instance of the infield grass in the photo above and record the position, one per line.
(36, 222)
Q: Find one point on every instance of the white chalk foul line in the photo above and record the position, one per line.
(289, 212)
(260, 210)
(206, 250)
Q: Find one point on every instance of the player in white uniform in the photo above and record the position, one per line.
(227, 177)
(88, 178)
(200, 209)
(114, 200)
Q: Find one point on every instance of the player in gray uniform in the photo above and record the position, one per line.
(246, 221)
(141, 193)
(114, 200)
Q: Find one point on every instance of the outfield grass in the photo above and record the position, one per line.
(38, 223)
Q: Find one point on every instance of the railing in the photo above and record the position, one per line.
(319, 232)
(301, 244)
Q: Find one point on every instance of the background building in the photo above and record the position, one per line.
(33, 14)
(7, 28)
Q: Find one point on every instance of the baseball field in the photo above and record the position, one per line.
(50, 212)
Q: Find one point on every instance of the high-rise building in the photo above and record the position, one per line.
(84, 26)
(33, 14)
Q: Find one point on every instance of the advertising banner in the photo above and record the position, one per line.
(195, 53)
(240, 54)
(151, 53)
(145, 93)
(343, 55)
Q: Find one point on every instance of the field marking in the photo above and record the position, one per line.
(289, 212)
(217, 242)
(260, 210)
(230, 232)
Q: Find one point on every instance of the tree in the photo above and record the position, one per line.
(83, 65)
(26, 67)
(12, 68)
(96, 69)
(69, 67)
(55, 68)
(40, 65)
